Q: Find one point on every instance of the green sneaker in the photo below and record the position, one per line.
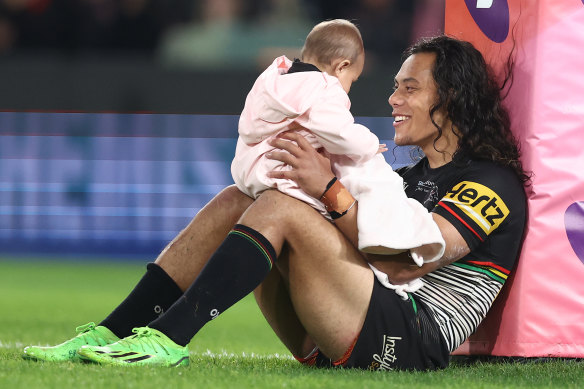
(148, 347)
(88, 334)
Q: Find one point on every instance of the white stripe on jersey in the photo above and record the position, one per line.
(459, 299)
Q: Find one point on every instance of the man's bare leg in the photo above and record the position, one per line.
(330, 284)
(186, 255)
(273, 299)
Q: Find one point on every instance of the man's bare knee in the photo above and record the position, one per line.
(232, 200)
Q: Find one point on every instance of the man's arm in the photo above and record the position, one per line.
(401, 269)
(311, 171)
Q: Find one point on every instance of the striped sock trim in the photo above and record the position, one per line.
(258, 240)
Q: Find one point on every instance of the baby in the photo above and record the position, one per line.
(311, 96)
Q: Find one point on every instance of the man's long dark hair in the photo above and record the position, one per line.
(472, 99)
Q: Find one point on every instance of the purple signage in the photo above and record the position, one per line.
(574, 220)
(491, 16)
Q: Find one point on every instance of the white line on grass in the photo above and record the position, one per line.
(225, 354)
(11, 345)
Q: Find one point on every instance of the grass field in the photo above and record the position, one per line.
(41, 302)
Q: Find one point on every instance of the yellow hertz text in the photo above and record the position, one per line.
(479, 203)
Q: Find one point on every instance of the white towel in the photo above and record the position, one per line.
(401, 290)
(389, 221)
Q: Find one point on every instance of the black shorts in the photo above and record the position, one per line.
(397, 335)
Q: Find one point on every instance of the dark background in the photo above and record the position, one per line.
(185, 56)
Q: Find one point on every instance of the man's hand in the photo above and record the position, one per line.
(310, 169)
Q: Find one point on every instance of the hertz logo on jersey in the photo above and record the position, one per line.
(479, 203)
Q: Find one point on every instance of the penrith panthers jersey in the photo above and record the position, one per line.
(486, 203)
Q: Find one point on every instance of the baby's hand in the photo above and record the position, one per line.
(382, 148)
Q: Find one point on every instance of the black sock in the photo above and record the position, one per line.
(153, 295)
(238, 266)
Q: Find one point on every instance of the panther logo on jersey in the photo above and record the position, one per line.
(479, 203)
(430, 189)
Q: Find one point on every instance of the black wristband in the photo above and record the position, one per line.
(335, 215)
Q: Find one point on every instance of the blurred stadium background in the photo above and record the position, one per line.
(118, 118)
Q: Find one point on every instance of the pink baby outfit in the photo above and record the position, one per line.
(315, 104)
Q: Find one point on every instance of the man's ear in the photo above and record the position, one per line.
(340, 65)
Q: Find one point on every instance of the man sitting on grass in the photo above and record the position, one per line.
(316, 290)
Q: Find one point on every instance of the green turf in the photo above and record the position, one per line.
(42, 302)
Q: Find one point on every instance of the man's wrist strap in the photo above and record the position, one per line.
(336, 199)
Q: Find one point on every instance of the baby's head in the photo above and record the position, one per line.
(336, 47)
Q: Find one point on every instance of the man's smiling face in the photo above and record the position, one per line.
(414, 95)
